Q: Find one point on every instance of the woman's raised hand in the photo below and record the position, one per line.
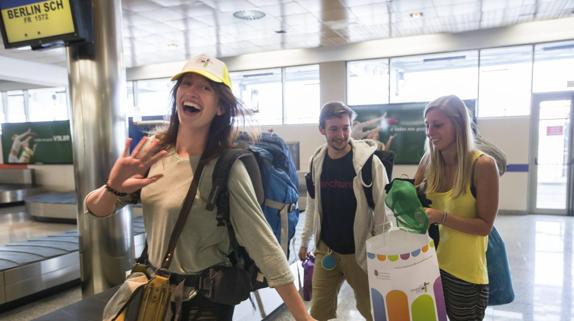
(129, 171)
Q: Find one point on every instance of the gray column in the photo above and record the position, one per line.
(98, 94)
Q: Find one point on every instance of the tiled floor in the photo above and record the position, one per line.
(540, 250)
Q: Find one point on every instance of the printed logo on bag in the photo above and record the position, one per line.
(422, 288)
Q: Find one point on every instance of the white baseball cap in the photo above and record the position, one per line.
(209, 67)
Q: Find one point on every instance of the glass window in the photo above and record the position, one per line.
(302, 94)
(505, 79)
(424, 78)
(151, 97)
(47, 104)
(554, 67)
(261, 91)
(130, 97)
(368, 82)
(15, 109)
(2, 116)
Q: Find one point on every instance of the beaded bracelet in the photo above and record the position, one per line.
(113, 191)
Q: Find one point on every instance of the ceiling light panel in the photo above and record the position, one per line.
(162, 14)
(406, 7)
(373, 11)
(286, 9)
(260, 3)
(305, 19)
(201, 40)
(233, 5)
(171, 3)
(157, 28)
(555, 9)
(179, 24)
(302, 41)
(266, 25)
(315, 6)
(353, 3)
(140, 5)
(136, 20)
(197, 9)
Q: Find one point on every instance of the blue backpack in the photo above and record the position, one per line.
(274, 177)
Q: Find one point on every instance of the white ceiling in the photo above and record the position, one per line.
(158, 31)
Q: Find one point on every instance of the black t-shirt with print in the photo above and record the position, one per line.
(338, 203)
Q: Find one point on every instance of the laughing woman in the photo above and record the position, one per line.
(202, 125)
(462, 184)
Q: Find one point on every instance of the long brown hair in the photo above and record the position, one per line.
(223, 129)
(457, 112)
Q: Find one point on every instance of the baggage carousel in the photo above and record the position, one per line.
(55, 206)
(16, 184)
(58, 207)
(33, 266)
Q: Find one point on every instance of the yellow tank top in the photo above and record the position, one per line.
(461, 254)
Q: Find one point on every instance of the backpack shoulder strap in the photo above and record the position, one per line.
(219, 194)
(252, 166)
(309, 181)
(367, 180)
(388, 159)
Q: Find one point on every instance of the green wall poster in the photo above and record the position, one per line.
(37, 143)
(400, 124)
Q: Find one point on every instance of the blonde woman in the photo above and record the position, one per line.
(462, 183)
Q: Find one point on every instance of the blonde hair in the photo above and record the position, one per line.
(457, 112)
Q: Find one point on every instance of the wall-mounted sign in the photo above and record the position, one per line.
(400, 125)
(37, 143)
(554, 131)
(40, 22)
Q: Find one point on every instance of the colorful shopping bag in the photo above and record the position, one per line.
(404, 278)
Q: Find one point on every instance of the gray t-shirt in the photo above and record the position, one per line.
(202, 243)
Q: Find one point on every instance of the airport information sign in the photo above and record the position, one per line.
(26, 20)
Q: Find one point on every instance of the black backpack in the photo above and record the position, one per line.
(386, 157)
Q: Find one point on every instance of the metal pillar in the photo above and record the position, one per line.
(97, 89)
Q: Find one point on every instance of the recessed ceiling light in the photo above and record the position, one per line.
(417, 14)
(249, 14)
